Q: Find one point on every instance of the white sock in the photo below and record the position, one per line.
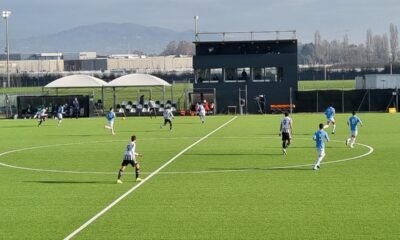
(319, 159)
(334, 128)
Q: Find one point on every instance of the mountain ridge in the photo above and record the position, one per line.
(103, 38)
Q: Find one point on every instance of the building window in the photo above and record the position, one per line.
(208, 75)
(243, 74)
(237, 74)
(268, 74)
(230, 75)
(203, 75)
(216, 74)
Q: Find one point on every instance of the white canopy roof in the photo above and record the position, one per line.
(137, 80)
(76, 81)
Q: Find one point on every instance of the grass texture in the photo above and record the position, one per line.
(227, 186)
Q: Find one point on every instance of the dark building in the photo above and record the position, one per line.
(98, 64)
(12, 57)
(252, 73)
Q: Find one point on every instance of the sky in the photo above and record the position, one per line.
(333, 18)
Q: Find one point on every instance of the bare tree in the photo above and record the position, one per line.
(317, 47)
(368, 46)
(345, 49)
(185, 48)
(393, 41)
(170, 49)
(182, 48)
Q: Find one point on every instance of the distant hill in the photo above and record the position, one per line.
(103, 38)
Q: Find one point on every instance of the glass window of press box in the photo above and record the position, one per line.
(261, 74)
(267, 74)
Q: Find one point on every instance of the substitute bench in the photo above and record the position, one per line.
(280, 108)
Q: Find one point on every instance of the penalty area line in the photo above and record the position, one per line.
(83, 226)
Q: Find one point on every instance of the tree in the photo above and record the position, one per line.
(182, 48)
(306, 53)
(185, 48)
(393, 41)
(317, 47)
(170, 49)
(368, 46)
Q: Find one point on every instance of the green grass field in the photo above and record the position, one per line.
(234, 184)
(326, 85)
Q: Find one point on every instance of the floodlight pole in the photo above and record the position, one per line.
(114, 98)
(397, 99)
(6, 15)
(290, 98)
(102, 98)
(196, 25)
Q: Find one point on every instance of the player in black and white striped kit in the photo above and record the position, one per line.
(167, 114)
(286, 132)
(130, 159)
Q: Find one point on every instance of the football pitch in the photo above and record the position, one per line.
(224, 179)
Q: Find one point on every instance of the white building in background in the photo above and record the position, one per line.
(87, 55)
(46, 56)
(378, 81)
(32, 66)
(89, 61)
(126, 56)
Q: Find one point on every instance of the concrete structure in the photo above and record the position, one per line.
(152, 64)
(378, 81)
(46, 56)
(139, 65)
(27, 66)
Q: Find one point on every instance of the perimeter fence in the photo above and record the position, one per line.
(364, 100)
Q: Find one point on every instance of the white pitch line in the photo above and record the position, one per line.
(371, 150)
(142, 182)
(175, 172)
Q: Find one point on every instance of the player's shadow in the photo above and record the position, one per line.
(277, 136)
(262, 169)
(235, 154)
(82, 135)
(19, 126)
(70, 182)
(143, 131)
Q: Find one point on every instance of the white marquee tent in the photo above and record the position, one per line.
(137, 80)
(130, 80)
(77, 81)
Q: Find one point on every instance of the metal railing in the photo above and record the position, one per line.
(252, 35)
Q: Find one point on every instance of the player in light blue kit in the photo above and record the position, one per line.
(110, 118)
(320, 137)
(60, 112)
(330, 118)
(353, 124)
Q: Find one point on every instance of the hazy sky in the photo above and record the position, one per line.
(333, 18)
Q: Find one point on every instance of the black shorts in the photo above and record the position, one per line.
(286, 136)
(128, 160)
(167, 121)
